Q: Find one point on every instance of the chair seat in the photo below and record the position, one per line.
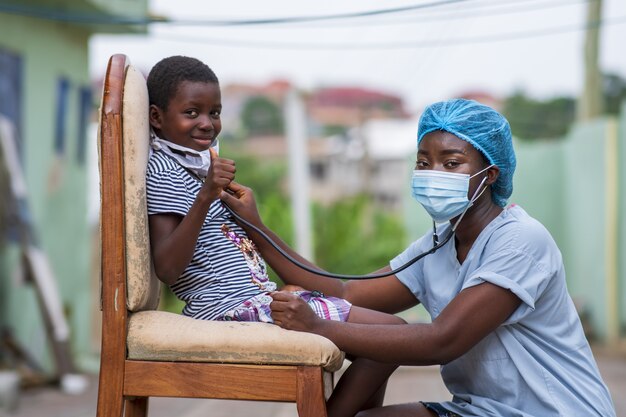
(163, 336)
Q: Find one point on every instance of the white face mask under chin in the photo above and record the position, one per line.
(197, 162)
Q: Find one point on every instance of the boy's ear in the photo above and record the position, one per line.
(154, 115)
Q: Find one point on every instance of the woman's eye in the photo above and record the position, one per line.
(421, 164)
(451, 164)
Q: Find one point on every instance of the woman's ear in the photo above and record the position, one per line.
(492, 174)
(154, 115)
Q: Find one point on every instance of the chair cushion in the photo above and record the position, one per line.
(163, 336)
(142, 285)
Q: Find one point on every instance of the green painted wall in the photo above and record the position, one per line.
(621, 208)
(57, 182)
(538, 176)
(584, 216)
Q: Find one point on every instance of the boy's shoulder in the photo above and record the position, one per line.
(159, 162)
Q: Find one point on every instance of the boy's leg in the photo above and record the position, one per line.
(363, 384)
(400, 410)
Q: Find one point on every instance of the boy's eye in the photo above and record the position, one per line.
(215, 114)
(192, 113)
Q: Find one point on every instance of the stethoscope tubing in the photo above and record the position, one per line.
(331, 274)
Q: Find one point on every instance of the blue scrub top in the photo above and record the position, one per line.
(538, 362)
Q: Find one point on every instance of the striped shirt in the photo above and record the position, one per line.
(223, 273)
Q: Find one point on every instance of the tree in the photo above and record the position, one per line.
(552, 118)
(535, 119)
(261, 116)
(352, 237)
(614, 91)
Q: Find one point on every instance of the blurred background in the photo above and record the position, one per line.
(321, 102)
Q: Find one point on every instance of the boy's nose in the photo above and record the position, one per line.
(205, 123)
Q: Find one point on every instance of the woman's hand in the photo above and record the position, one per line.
(220, 175)
(292, 313)
(241, 200)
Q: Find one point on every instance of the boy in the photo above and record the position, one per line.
(198, 250)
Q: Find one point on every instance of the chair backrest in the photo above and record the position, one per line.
(124, 126)
(142, 285)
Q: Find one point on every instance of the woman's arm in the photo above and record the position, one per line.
(172, 237)
(392, 295)
(470, 316)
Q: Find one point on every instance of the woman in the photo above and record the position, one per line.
(503, 326)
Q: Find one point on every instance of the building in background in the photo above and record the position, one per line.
(373, 158)
(357, 141)
(46, 93)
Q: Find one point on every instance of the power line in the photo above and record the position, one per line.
(480, 11)
(85, 18)
(498, 37)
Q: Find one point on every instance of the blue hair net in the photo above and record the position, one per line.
(486, 129)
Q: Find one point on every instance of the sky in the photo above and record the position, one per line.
(425, 54)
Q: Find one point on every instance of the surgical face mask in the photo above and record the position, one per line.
(197, 162)
(444, 194)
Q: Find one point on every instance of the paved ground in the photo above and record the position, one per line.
(407, 384)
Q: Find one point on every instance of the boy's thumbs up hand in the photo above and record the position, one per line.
(221, 173)
(213, 154)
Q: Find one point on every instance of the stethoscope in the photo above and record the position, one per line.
(436, 246)
(436, 243)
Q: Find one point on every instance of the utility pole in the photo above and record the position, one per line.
(590, 102)
(295, 118)
(367, 170)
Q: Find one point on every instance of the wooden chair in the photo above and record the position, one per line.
(149, 353)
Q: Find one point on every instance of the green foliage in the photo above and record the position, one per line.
(169, 301)
(552, 118)
(534, 119)
(614, 90)
(353, 237)
(261, 116)
(265, 178)
(330, 130)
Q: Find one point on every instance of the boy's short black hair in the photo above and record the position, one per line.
(167, 74)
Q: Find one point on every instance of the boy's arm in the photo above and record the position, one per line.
(173, 237)
(173, 240)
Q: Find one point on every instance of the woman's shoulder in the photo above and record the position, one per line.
(517, 231)
(525, 226)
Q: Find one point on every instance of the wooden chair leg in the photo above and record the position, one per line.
(110, 401)
(136, 407)
(310, 395)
